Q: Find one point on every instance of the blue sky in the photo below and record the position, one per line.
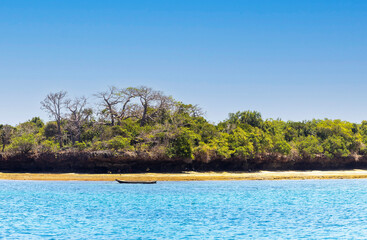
(293, 60)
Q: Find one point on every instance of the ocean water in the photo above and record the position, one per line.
(310, 209)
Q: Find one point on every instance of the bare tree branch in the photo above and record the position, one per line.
(77, 116)
(53, 104)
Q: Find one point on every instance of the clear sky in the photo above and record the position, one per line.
(293, 60)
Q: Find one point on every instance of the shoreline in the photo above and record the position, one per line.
(190, 176)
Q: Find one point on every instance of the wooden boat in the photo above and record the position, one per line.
(136, 182)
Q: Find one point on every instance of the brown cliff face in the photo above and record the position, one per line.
(105, 161)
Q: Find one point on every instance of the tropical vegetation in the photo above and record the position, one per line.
(143, 120)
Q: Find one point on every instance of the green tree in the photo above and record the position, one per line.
(6, 133)
(48, 146)
(309, 146)
(119, 143)
(50, 130)
(181, 146)
(240, 142)
(23, 144)
(335, 146)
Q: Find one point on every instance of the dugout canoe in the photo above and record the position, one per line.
(136, 182)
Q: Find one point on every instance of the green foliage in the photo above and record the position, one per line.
(37, 121)
(48, 146)
(207, 131)
(131, 126)
(186, 134)
(120, 131)
(50, 130)
(181, 146)
(99, 145)
(340, 138)
(261, 140)
(119, 143)
(23, 144)
(204, 153)
(245, 119)
(81, 146)
(335, 146)
(6, 133)
(239, 141)
(144, 120)
(363, 131)
(89, 134)
(221, 146)
(281, 146)
(328, 128)
(27, 128)
(309, 146)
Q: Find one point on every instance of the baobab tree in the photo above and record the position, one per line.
(109, 100)
(141, 103)
(152, 102)
(127, 107)
(117, 103)
(77, 115)
(53, 104)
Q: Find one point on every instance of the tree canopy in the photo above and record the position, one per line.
(146, 120)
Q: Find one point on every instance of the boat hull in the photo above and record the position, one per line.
(136, 182)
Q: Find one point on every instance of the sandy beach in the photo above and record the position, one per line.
(190, 176)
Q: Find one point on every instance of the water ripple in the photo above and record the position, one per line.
(312, 209)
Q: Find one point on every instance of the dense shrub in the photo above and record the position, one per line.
(181, 146)
(119, 143)
(50, 130)
(23, 144)
(48, 146)
(309, 146)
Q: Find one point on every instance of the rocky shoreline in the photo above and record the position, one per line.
(141, 162)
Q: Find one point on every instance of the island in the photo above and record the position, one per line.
(139, 130)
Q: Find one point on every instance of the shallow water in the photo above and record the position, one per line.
(184, 210)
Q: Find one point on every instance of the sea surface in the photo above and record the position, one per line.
(310, 209)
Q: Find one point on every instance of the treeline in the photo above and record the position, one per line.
(145, 122)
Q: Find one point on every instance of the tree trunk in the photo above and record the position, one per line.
(111, 114)
(143, 118)
(59, 133)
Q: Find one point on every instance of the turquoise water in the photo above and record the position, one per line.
(184, 210)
